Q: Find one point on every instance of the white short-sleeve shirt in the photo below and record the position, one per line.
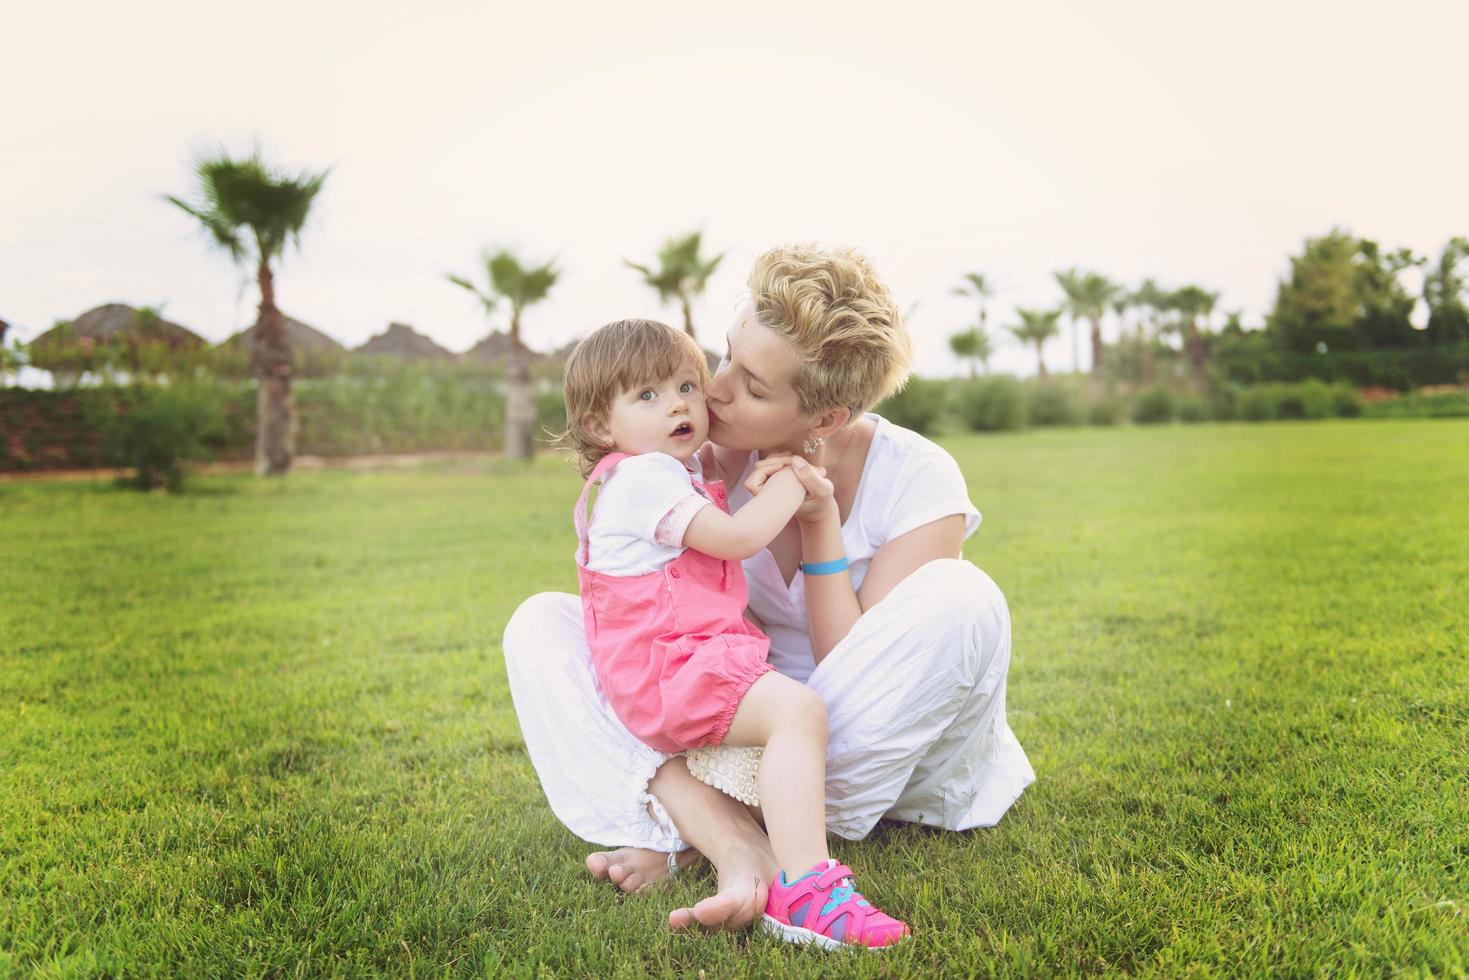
(641, 512)
(907, 481)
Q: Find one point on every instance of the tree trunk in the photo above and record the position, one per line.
(688, 316)
(1075, 344)
(1097, 352)
(275, 407)
(1150, 356)
(1040, 363)
(520, 400)
(1194, 343)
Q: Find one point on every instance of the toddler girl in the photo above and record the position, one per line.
(663, 600)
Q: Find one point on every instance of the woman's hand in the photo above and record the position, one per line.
(820, 504)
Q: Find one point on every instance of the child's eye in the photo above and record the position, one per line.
(647, 395)
(686, 388)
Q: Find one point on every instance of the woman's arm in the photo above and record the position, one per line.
(832, 606)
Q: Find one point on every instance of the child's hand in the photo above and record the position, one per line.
(765, 469)
(820, 503)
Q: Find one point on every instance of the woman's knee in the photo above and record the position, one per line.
(540, 627)
(957, 591)
(959, 601)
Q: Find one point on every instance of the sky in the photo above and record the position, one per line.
(1188, 142)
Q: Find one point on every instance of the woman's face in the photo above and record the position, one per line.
(751, 402)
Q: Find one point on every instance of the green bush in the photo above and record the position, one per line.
(1257, 404)
(1105, 410)
(402, 408)
(1054, 403)
(1445, 404)
(1192, 408)
(993, 404)
(1346, 403)
(550, 414)
(158, 430)
(919, 406)
(1290, 401)
(1317, 399)
(1154, 406)
(1251, 359)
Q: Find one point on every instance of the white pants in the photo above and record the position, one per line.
(915, 698)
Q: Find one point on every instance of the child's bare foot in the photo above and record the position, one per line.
(745, 872)
(635, 868)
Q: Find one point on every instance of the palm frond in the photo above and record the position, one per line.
(486, 301)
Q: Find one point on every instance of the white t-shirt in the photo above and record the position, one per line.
(642, 510)
(907, 481)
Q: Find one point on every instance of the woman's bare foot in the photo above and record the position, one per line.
(745, 871)
(634, 868)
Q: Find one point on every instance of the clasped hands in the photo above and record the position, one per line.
(820, 502)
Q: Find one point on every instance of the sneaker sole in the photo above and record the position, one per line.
(802, 936)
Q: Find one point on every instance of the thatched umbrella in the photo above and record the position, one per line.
(118, 321)
(303, 337)
(496, 348)
(401, 340)
(70, 348)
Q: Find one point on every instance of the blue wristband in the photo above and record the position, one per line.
(824, 567)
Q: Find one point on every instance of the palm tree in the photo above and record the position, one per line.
(972, 345)
(976, 285)
(681, 274)
(1153, 302)
(520, 286)
(251, 211)
(1193, 302)
(1070, 282)
(1087, 296)
(1036, 327)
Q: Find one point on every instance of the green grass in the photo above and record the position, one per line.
(264, 728)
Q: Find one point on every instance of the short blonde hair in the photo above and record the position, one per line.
(611, 360)
(844, 324)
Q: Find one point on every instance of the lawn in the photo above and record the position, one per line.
(263, 728)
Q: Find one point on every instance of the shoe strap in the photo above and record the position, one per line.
(832, 875)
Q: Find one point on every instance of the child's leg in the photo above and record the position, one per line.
(789, 720)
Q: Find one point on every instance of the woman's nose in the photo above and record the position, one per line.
(715, 389)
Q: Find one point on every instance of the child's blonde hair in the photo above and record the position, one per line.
(611, 360)
(844, 324)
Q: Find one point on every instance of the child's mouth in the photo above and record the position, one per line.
(684, 430)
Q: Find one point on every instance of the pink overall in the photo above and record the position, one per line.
(671, 649)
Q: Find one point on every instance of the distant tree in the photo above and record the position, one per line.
(252, 211)
(1153, 302)
(1192, 303)
(1036, 327)
(1446, 291)
(1087, 296)
(1384, 305)
(682, 274)
(1345, 293)
(972, 345)
(978, 286)
(520, 286)
(1069, 280)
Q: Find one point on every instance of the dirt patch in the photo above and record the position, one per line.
(380, 461)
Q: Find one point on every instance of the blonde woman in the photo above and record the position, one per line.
(907, 643)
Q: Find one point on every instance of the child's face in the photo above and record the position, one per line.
(667, 416)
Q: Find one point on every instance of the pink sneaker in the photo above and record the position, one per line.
(823, 906)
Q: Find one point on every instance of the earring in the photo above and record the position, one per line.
(812, 444)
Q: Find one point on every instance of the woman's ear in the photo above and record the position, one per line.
(830, 421)
(597, 428)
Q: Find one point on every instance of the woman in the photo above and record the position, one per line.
(910, 655)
